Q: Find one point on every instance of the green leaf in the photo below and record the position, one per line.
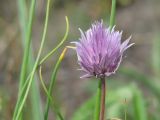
(26, 30)
(85, 111)
(139, 105)
(50, 97)
(21, 101)
(145, 80)
(114, 104)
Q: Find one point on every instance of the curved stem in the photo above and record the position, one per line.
(49, 96)
(59, 45)
(103, 95)
(22, 102)
(53, 79)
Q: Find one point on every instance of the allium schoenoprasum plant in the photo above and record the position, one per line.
(99, 53)
(28, 80)
(135, 105)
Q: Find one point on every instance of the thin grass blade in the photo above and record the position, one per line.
(60, 116)
(26, 29)
(36, 63)
(53, 79)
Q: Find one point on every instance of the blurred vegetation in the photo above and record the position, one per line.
(135, 89)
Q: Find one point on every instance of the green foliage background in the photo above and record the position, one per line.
(133, 92)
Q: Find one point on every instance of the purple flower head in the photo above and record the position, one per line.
(100, 50)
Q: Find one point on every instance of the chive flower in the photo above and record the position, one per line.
(100, 51)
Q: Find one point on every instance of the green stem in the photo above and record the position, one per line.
(50, 97)
(59, 45)
(36, 63)
(27, 45)
(35, 94)
(22, 18)
(53, 78)
(113, 12)
(98, 101)
(26, 30)
(125, 110)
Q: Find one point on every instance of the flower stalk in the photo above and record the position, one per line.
(99, 52)
(113, 12)
(103, 95)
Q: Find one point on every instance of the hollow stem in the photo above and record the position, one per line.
(103, 95)
(113, 12)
